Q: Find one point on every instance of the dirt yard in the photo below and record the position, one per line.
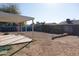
(43, 45)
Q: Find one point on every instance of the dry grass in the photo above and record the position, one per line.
(45, 46)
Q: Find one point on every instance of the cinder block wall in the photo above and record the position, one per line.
(57, 29)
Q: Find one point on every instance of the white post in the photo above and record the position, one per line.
(32, 25)
(18, 27)
(32, 29)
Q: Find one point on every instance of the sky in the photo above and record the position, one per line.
(50, 13)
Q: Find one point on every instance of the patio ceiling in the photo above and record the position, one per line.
(13, 18)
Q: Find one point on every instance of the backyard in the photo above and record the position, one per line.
(43, 45)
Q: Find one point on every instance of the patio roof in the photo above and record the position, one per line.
(13, 18)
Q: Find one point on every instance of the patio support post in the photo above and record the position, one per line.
(32, 25)
(18, 27)
(32, 29)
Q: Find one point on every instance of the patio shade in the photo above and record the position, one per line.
(13, 18)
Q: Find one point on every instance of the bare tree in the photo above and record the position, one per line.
(10, 8)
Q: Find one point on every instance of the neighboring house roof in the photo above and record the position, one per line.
(73, 22)
(50, 23)
(8, 17)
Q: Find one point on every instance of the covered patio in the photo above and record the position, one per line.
(14, 22)
(10, 23)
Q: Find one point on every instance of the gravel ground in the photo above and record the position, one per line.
(43, 45)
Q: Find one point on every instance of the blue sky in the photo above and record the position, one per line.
(50, 13)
